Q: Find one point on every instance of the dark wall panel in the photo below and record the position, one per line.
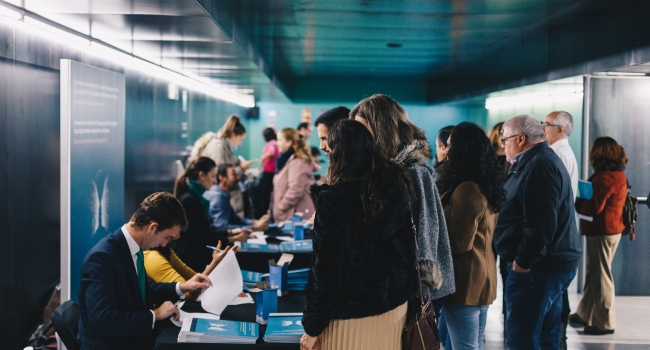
(155, 135)
(29, 183)
(30, 164)
(602, 32)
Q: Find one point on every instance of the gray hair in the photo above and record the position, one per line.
(566, 120)
(528, 125)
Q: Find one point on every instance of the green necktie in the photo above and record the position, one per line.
(142, 275)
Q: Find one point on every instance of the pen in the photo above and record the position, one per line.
(213, 248)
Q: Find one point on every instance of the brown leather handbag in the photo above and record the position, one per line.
(421, 329)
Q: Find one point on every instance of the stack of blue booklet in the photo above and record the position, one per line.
(296, 280)
(284, 328)
(254, 247)
(251, 278)
(200, 330)
(284, 247)
(296, 246)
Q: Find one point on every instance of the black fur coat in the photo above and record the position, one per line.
(358, 269)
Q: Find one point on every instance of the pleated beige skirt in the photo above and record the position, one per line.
(375, 332)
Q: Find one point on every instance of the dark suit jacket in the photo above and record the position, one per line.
(113, 315)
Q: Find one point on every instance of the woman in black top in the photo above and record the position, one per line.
(199, 176)
(363, 268)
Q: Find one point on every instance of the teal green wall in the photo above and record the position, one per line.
(429, 118)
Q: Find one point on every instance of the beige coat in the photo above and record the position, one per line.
(291, 190)
(471, 226)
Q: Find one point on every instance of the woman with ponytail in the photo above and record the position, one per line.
(220, 147)
(291, 183)
(199, 176)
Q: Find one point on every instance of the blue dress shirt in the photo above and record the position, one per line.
(223, 217)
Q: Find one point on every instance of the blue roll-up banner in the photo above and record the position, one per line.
(92, 164)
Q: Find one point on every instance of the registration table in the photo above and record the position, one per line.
(294, 302)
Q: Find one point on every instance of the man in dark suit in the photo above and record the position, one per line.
(116, 300)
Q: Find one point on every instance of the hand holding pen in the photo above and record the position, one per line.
(219, 254)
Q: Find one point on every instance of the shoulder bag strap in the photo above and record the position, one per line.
(417, 254)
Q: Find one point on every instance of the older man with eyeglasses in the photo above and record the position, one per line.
(537, 235)
(557, 127)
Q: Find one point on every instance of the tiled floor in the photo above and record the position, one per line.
(632, 326)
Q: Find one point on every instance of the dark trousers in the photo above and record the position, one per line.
(534, 308)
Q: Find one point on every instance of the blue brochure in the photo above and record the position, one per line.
(224, 328)
(284, 328)
(251, 276)
(201, 330)
(297, 246)
(585, 189)
(253, 247)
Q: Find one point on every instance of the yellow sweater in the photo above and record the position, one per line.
(161, 270)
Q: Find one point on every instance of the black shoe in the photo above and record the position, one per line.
(591, 330)
(576, 321)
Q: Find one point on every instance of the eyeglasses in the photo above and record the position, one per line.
(545, 124)
(503, 140)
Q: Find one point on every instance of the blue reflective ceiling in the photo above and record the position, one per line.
(321, 50)
(338, 50)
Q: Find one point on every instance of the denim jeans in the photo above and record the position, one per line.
(534, 306)
(466, 325)
(443, 331)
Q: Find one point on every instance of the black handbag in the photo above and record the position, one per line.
(421, 329)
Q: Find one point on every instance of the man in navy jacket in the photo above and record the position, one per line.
(536, 234)
(115, 298)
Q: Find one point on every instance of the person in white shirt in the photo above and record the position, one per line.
(558, 126)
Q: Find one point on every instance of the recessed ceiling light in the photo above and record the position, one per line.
(394, 45)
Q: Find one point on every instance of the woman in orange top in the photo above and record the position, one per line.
(596, 309)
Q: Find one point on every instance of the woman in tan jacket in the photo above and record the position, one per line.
(291, 183)
(471, 205)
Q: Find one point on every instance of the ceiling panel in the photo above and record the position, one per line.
(176, 34)
(150, 7)
(285, 44)
(313, 38)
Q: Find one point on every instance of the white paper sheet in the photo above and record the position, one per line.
(227, 282)
(257, 240)
(242, 300)
(285, 238)
(185, 315)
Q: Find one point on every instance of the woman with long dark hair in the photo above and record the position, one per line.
(199, 176)
(471, 205)
(596, 309)
(363, 269)
(401, 141)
